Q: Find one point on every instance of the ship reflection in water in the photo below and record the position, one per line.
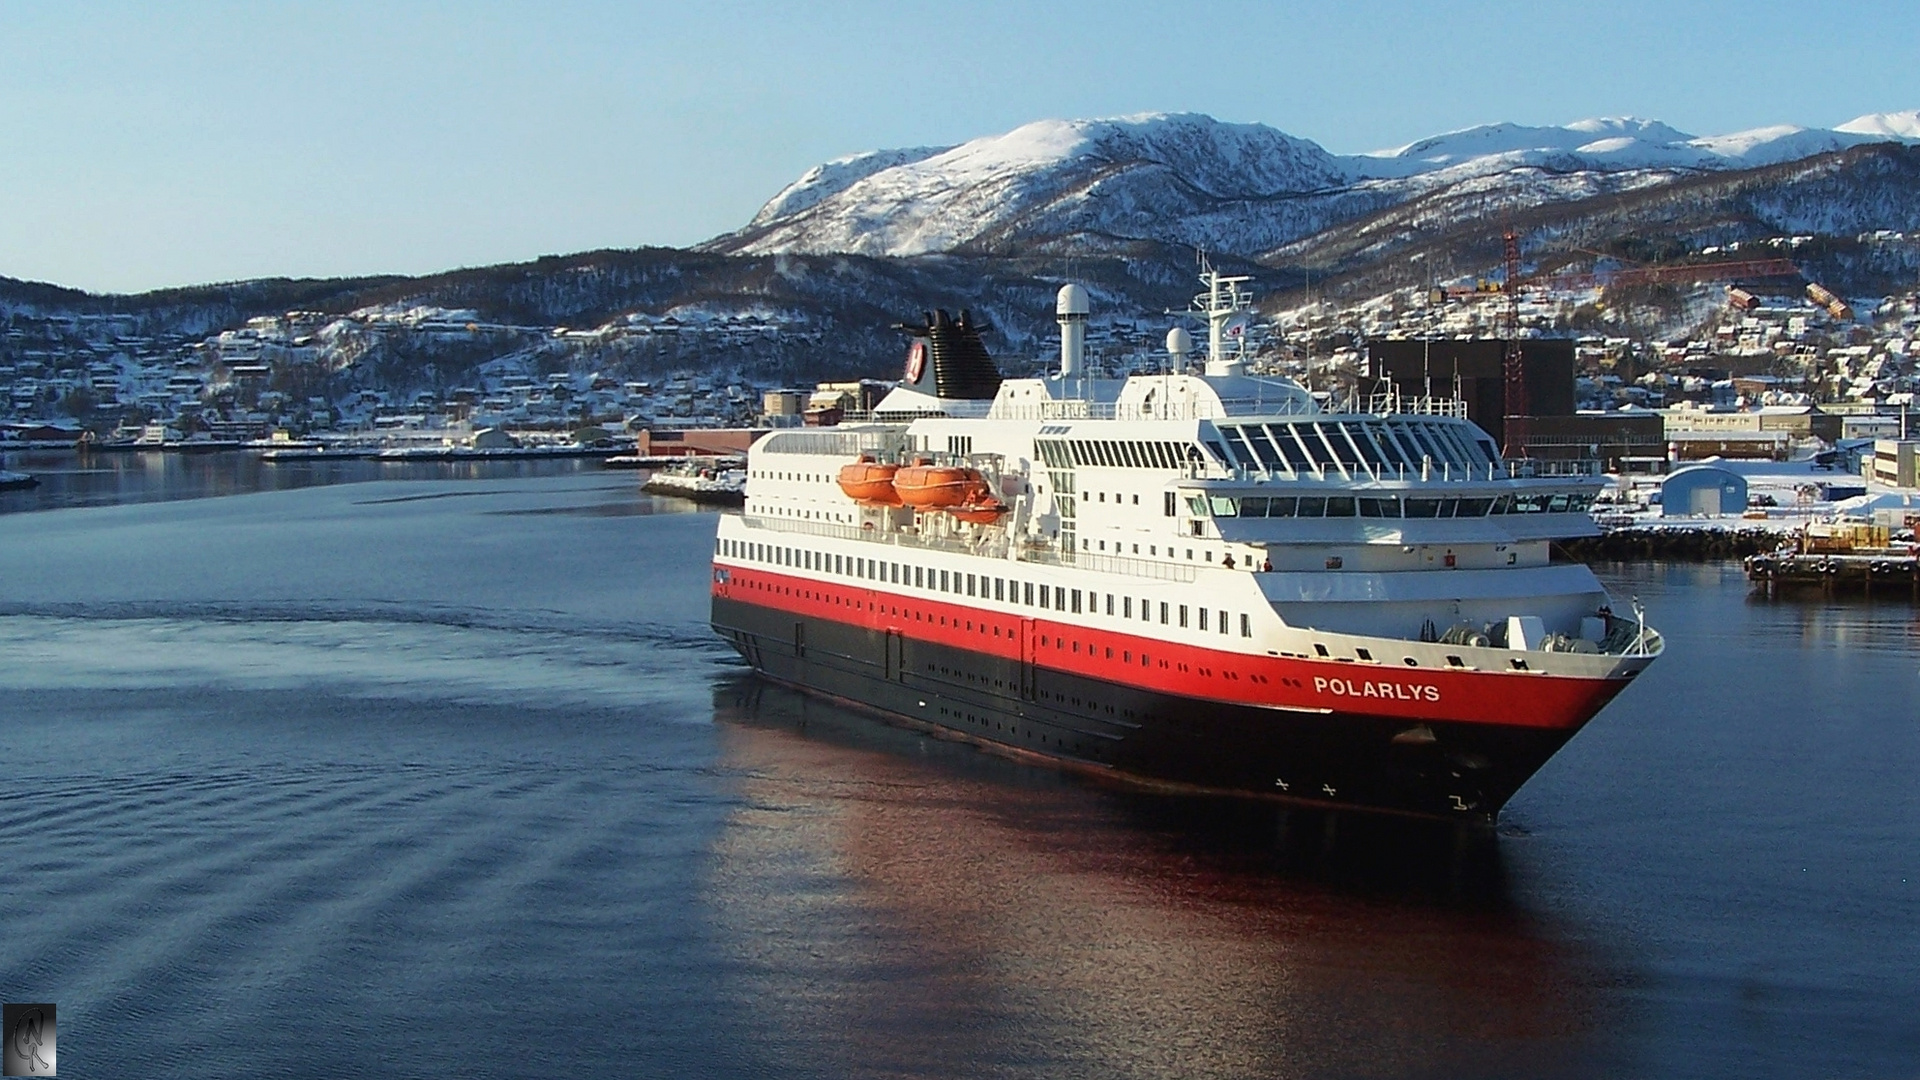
(897, 903)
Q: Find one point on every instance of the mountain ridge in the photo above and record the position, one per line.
(1187, 179)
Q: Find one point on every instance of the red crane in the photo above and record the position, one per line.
(1513, 424)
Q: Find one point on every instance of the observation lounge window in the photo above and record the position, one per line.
(1239, 444)
(1340, 506)
(1316, 437)
(1224, 506)
(1282, 436)
(1422, 449)
(1457, 452)
(1474, 507)
(1400, 445)
(1310, 444)
(1282, 506)
(1362, 445)
(1375, 506)
(1263, 446)
(1253, 506)
(1312, 506)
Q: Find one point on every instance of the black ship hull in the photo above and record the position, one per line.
(1349, 760)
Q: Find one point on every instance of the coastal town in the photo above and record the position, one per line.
(1757, 372)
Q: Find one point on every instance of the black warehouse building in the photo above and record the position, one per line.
(1412, 366)
(1553, 430)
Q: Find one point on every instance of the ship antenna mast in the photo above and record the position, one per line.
(1226, 307)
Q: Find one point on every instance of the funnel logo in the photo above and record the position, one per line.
(29, 1048)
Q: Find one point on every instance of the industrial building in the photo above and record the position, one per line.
(1895, 463)
(1475, 372)
(1703, 489)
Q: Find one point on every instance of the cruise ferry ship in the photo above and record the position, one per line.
(1199, 579)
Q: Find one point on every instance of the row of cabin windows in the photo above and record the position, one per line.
(1350, 445)
(1385, 506)
(983, 586)
(1117, 453)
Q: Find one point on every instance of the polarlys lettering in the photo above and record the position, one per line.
(1382, 689)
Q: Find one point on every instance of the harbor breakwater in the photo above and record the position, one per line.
(1664, 543)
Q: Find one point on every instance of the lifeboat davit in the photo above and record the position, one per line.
(941, 487)
(867, 481)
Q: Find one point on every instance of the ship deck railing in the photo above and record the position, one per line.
(988, 545)
(1395, 404)
(1428, 472)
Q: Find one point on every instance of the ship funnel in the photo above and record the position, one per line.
(1179, 346)
(1071, 308)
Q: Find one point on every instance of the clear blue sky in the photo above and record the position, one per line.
(174, 143)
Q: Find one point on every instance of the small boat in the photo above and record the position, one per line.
(702, 482)
(867, 481)
(12, 480)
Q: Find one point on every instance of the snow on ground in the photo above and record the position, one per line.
(1793, 485)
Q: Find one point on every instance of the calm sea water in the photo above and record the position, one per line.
(111, 478)
(448, 777)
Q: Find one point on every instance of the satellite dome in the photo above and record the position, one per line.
(1072, 301)
(1179, 342)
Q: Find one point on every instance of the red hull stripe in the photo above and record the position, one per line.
(1517, 699)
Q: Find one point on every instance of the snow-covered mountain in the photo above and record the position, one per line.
(1108, 186)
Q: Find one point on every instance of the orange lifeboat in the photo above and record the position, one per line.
(985, 513)
(866, 481)
(939, 487)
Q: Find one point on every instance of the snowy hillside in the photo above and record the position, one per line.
(1107, 186)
